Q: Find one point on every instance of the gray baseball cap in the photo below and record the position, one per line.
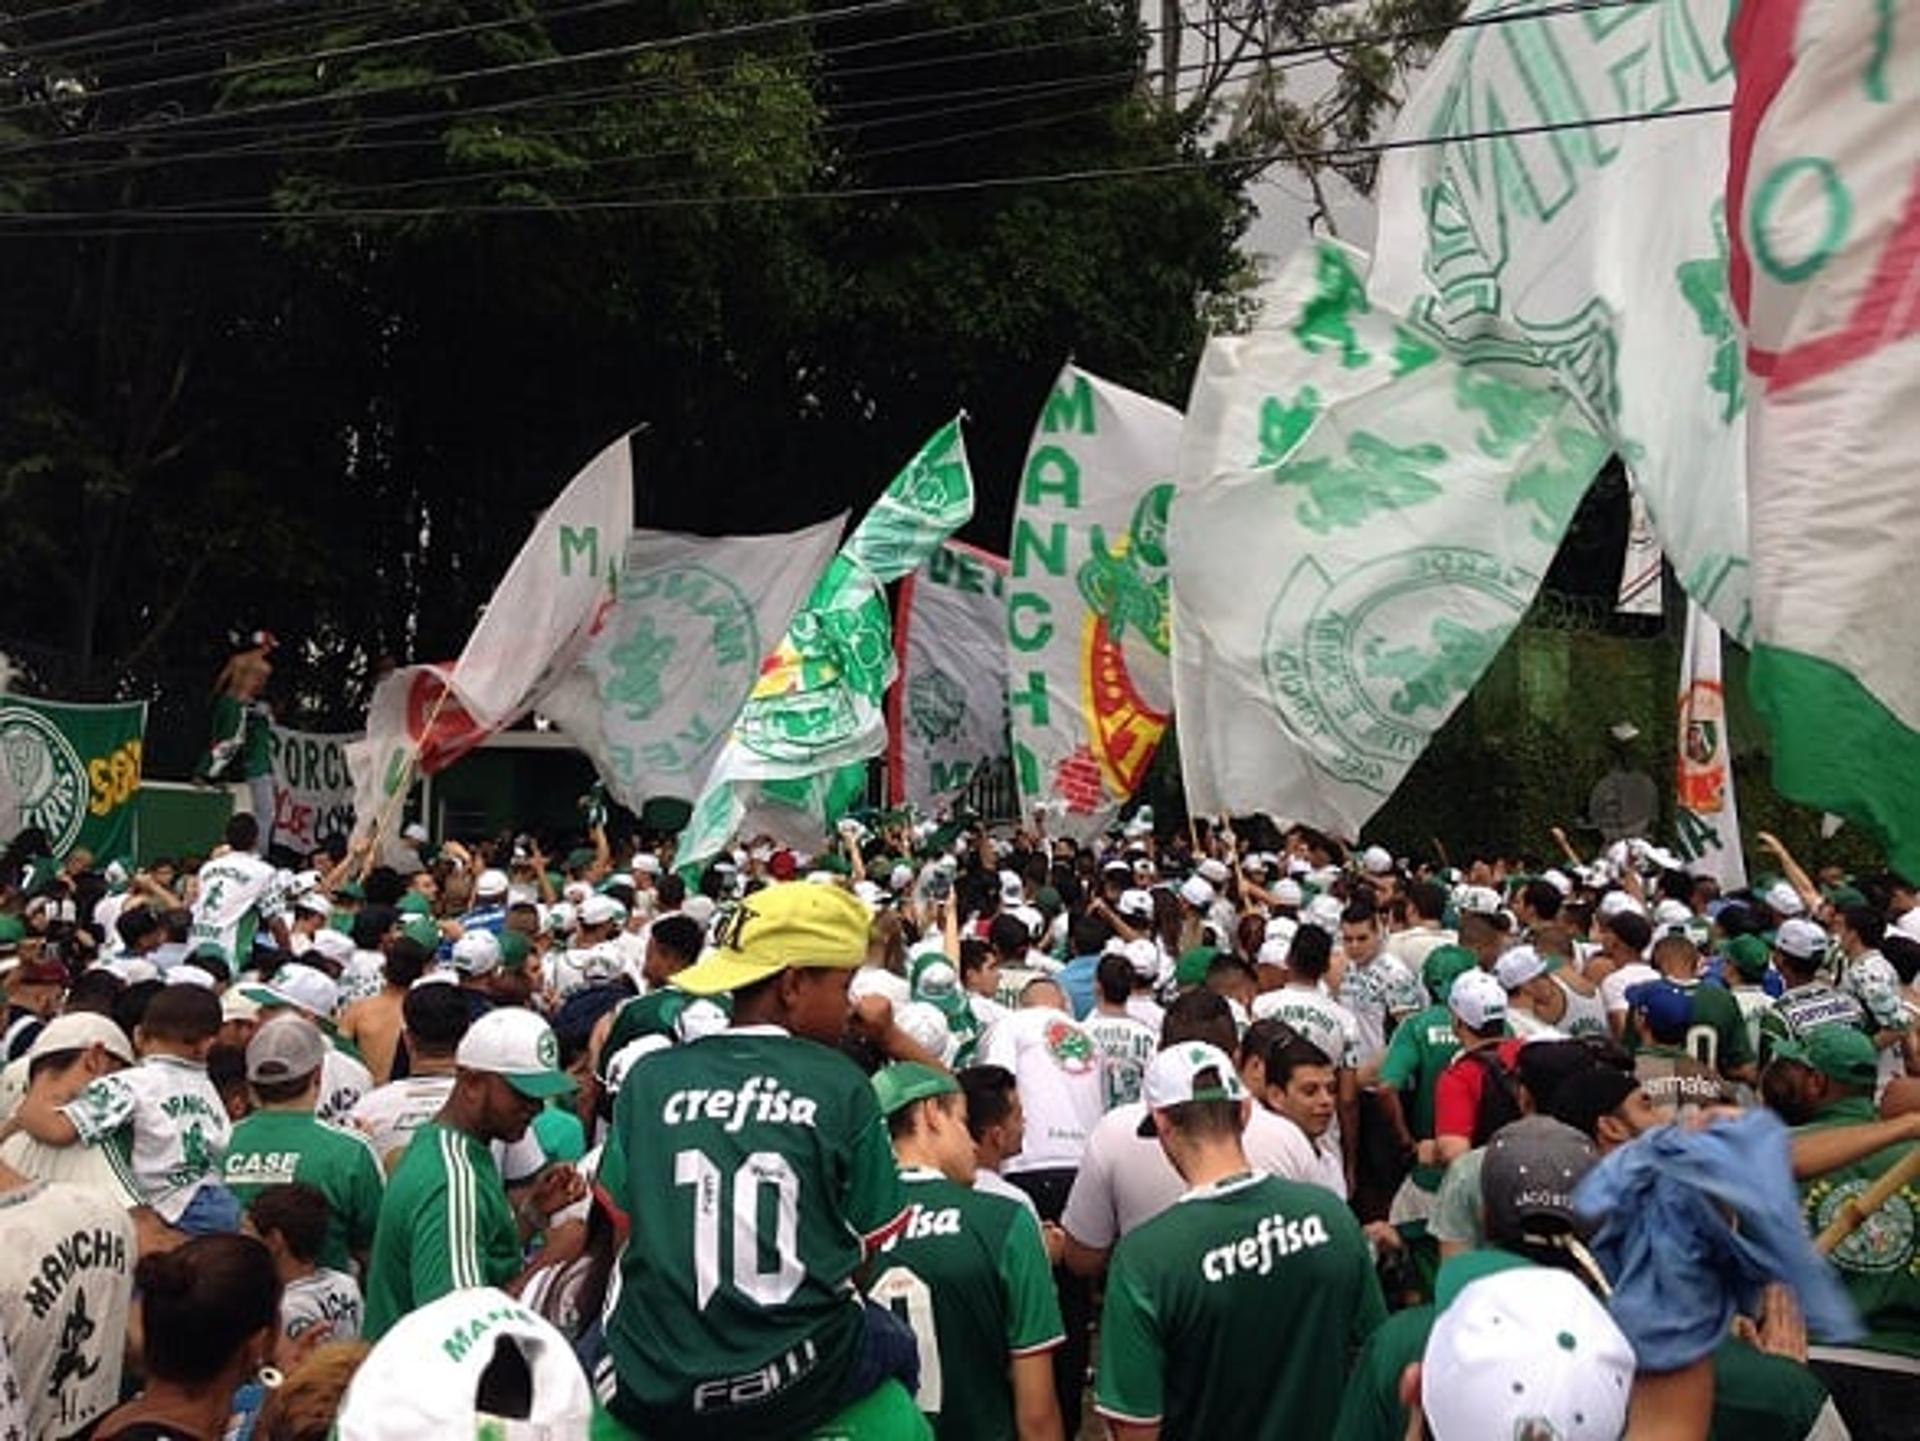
(285, 1049)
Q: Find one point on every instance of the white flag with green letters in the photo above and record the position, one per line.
(1360, 521)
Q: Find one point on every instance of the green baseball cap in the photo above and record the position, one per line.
(1191, 969)
(1749, 955)
(901, 1084)
(422, 930)
(12, 929)
(414, 904)
(514, 949)
(1445, 965)
(1838, 1052)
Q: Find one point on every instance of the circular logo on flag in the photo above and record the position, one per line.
(1363, 669)
(681, 670)
(42, 782)
(1883, 1242)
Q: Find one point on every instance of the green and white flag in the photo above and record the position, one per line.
(795, 759)
(1361, 520)
(1088, 626)
(947, 713)
(1596, 249)
(1825, 183)
(73, 772)
(658, 689)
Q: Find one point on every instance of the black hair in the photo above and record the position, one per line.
(1199, 1015)
(185, 1015)
(227, 1070)
(672, 891)
(1284, 1060)
(136, 925)
(384, 886)
(1087, 933)
(96, 991)
(1902, 953)
(201, 1302)
(1543, 898)
(436, 1017)
(1009, 937)
(1632, 928)
(1114, 977)
(679, 936)
(974, 954)
(406, 961)
(371, 924)
(298, 1211)
(990, 1092)
(1310, 953)
(1866, 923)
(130, 1006)
(1429, 901)
(1361, 911)
(243, 832)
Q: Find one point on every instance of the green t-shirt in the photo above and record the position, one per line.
(756, 1171)
(1715, 1008)
(1421, 1047)
(658, 1013)
(1235, 1311)
(969, 1274)
(271, 1148)
(1880, 1262)
(444, 1225)
(1371, 1409)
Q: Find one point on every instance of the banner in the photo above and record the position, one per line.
(413, 721)
(1705, 817)
(72, 772)
(795, 759)
(1361, 521)
(947, 713)
(553, 596)
(1825, 183)
(1088, 628)
(1640, 566)
(653, 698)
(312, 787)
(1590, 247)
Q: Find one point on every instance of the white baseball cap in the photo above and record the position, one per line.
(1013, 890)
(1196, 892)
(1324, 912)
(423, 1379)
(314, 903)
(698, 908)
(77, 1030)
(188, 974)
(1214, 870)
(869, 894)
(1614, 902)
(647, 863)
(1672, 913)
(600, 910)
(477, 953)
(1282, 929)
(1136, 904)
(1526, 1352)
(413, 831)
(1376, 860)
(1783, 900)
(1800, 938)
(1287, 892)
(491, 883)
(1908, 924)
(1173, 1079)
(1478, 1000)
(1273, 951)
(1478, 900)
(518, 1046)
(1518, 966)
(1144, 956)
(302, 987)
(336, 946)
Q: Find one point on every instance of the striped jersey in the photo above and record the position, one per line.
(445, 1225)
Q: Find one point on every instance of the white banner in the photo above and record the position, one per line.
(948, 709)
(1597, 249)
(312, 787)
(1361, 521)
(553, 596)
(1088, 623)
(652, 700)
(1640, 566)
(1705, 816)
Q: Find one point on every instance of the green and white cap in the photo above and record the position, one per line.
(1180, 1074)
(519, 1047)
(424, 1378)
(1526, 1352)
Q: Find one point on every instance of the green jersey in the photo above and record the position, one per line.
(1421, 1048)
(969, 1274)
(1880, 1262)
(1715, 1008)
(757, 1174)
(271, 1148)
(445, 1225)
(1234, 1313)
(671, 1015)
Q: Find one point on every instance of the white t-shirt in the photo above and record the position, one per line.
(574, 970)
(1412, 947)
(177, 1123)
(363, 975)
(389, 1115)
(1147, 1011)
(1126, 1178)
(1056, 1068)
(238, 894)
(1375, 990)
(343, 1081)
(1613, 986)
(66, 1282)
(1125, 1046)
(13, 1087)
(326, 1298)
(84, 1166)
(1321, 1162)
(1315, 1016)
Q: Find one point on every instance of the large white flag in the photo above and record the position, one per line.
(1362, 518)
(654, 696)
(553, 596)
(1706, 817)
(1597, 249)
(1825, 185)
(415, 725)
(1088, 626)
(948, 710)
(796, 757)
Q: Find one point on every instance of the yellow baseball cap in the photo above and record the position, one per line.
(789, 925)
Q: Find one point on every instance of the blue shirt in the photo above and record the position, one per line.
(1076, 979)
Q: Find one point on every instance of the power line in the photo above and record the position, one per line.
(129, 221)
